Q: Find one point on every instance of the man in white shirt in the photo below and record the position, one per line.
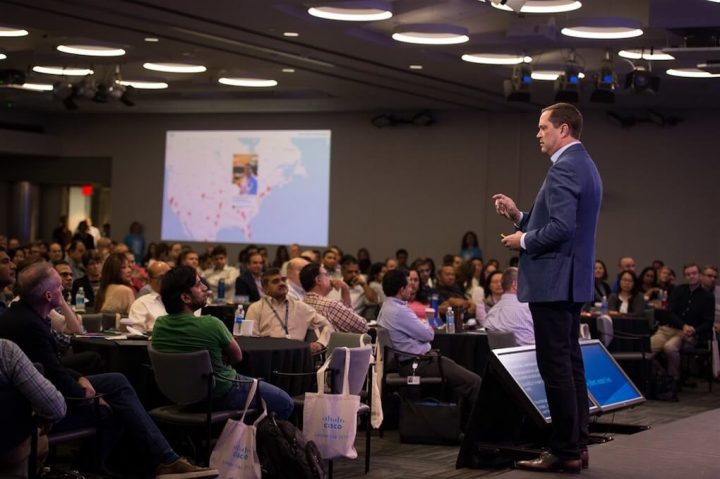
(361, 295)
(147, 308)
(220, 270)
(509, 314)
(278, 316)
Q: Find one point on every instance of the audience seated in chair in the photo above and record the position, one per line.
(408, 333)
(25, 323)
(317, 285)
(278, 316)
(509, 314)
(362, 296)
(147, 308)
(180, 331)
(220, 270)
(628, 299)
(29, 402)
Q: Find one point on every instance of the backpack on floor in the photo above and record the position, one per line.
(285, 453)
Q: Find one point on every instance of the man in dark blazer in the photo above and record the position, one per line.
(249, 283)
(556, 240)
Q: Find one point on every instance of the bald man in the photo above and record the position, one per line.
(295, 289)
(147, 308)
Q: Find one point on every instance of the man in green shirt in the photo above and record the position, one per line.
(183, 292)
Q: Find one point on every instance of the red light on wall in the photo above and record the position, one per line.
(87, 190)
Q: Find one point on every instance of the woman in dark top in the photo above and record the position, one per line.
(602, 288)
(629, 299)
(648, 283)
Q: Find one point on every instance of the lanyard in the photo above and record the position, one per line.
(287, 306)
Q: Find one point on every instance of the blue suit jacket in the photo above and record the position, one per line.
(558, 262)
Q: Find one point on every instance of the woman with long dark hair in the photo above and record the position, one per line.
(469, 247)
(115, 294)
(628, 299)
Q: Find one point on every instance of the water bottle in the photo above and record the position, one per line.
(434, 304)
(604, 306)
(450, 321)
(663, 295)
(237, 323)
(80, 300)
(221, 291)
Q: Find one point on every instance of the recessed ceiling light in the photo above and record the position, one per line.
(152, 39)
(55, 70)
(91, 50)
(248, 82)
(291, 34)
(431, 34)
(3, 56)
(357, 11)
(174, 67)
(145, 85)
(12, 32)
(691, 73)
(416, 67)
(604, 28)
(496, 58)
(31, 86)
(550, 75)
(543, 6)
(637, 54)
(288, 70)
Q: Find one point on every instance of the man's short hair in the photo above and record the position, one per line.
(393, 281)
(184, 254)
(308, 274)
(74, 244)
(92, 255)
(328, 251)
(348, 261)
(32, 281)
(691, 265)
(177, 281)
(218, 250)
(566, 113)
(58, 262)
(401, 251)
(509, 276)
(267, 274)
(709, 266)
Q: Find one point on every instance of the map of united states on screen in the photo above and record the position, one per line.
(267, 187)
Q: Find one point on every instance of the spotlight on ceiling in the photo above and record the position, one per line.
(567, 85)
(517, 88)
(606, 83)
(642, 81)
(119, 90)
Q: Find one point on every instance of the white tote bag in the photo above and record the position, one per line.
(235, 453)
(330, 420)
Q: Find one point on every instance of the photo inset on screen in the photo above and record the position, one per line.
(245, 171)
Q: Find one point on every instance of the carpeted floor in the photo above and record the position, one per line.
(684, 442)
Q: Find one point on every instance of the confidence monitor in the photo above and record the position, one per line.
(608, 384)
(520, 372)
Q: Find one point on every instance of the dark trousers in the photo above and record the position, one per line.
(465, 384)
(557, 326)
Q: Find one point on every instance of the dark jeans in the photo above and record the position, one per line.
(277, 400)
(557, 326)
(127, 414)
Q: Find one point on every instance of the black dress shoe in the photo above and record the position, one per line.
(585, 458)
(548, 462)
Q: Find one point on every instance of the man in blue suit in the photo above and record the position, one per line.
(556, 240)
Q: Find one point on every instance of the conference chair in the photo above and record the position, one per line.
(187, 380)
(346, 340)
(701, 354)
(359, 382)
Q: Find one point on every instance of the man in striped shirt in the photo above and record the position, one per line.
(316, 283)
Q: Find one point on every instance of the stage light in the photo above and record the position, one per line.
(567, 85)
(642, 81)
(517, 88)
(605, 83)
(514, 5)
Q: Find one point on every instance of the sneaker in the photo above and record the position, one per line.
(183, 469)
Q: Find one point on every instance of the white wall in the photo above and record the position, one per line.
(422, 187)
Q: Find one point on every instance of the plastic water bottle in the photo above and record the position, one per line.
(80, 300)
(604, 306)
(450, 321)
(237, 323)
(221, 291)
(434, 304)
